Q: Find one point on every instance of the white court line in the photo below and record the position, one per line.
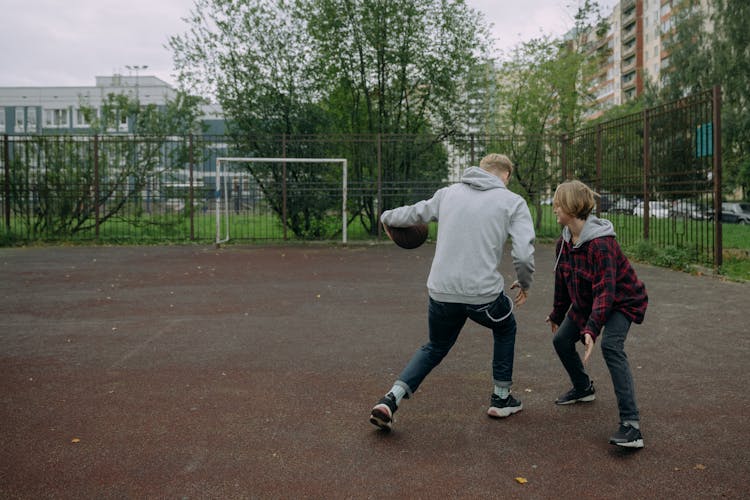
(142, 345)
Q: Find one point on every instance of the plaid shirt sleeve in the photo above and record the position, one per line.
(603, 259)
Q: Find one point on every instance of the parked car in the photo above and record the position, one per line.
(737, 213)
(657, 209)
(624, 205)
(606, 200)
(688, 209)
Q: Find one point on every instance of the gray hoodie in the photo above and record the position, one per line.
(594, 227)
(476, 217)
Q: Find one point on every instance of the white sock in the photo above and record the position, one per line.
(399, 392)
(633, 423)
(502, 392)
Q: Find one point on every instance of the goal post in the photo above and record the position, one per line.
(222, 202)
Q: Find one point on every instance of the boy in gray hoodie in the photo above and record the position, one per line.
(476, 217)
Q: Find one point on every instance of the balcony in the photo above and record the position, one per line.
(628, 82)
(628, 16)
(628, 51)
(628, 34)
(627, 65)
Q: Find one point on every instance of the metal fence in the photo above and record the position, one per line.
(166, 189)
(659, 174)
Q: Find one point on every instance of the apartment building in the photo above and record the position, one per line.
(58, 110)
(638, 31)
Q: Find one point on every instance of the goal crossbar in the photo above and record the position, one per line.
(219, 160)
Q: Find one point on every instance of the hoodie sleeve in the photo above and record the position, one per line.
(521, 230)
(421, 212)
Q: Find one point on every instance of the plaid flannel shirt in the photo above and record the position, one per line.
(592, 281)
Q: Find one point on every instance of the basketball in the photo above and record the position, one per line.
(409, 237)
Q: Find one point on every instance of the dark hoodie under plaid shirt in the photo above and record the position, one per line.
(594, 278)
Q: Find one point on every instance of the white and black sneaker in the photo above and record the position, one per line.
(627, 436)
(382, 413)
(577, 395)
(500, 408)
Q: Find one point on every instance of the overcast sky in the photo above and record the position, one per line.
(69, 42)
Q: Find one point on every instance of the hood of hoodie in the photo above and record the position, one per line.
(594, 227)
(480, 179)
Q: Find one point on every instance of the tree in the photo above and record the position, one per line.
(544, 91)
(701, 57)
(397, 67)
(336, 66)
(253, 56)
(98, 183)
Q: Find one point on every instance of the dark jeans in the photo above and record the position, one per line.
(446, 319)
(613, 350)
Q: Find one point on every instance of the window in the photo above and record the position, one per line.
(20, 125)
(2, 119)
(31, 120)
(116, 121)
(81, 118)
(54, 118)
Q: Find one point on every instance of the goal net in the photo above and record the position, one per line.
(300, 192)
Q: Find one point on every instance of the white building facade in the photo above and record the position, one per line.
(59, 110)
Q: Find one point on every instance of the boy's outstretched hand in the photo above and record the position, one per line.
(553, 326)
(521, 296)
(589, 343)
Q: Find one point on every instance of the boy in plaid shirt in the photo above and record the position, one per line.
(595, 288)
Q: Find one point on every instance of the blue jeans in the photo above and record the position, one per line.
(613, 350)
(446, 319)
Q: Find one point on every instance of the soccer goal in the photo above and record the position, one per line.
(229, 168)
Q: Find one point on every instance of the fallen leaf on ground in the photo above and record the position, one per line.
(522, 480)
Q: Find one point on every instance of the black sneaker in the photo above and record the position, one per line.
(577, 395)
(382, 413)
(627, 436)
(500, 408)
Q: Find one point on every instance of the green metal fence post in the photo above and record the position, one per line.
(646, 173)
(96, 187)
(718, 246)
(283, 185)
(380, 184)
(563, 157)
(6, 188)
(191, 195)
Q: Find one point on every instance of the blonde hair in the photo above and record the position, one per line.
(575, 198)
(495, 163)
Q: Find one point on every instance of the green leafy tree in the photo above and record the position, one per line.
(254, 57)
(335, 66)
(397, 67)
(701, 57)
(68, 195)
(543, 91)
